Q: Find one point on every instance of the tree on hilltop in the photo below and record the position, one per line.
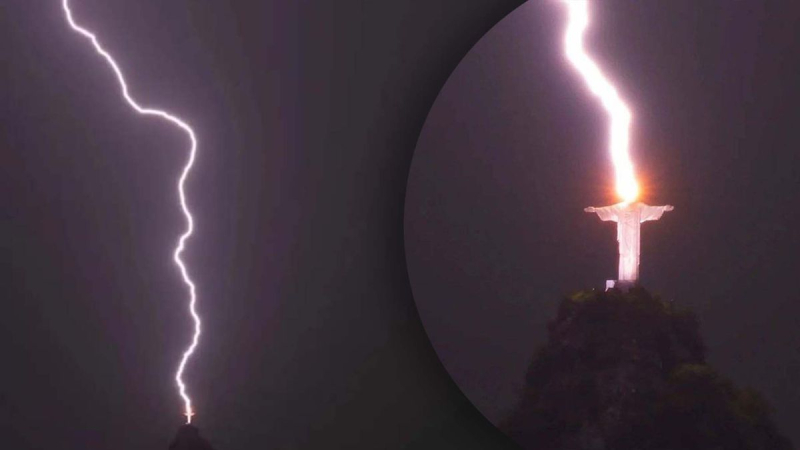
(627, 371)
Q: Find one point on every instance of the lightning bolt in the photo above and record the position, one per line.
(181, 244)
(600, 86)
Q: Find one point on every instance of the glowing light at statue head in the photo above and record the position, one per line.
(181, 244)
(620, 115)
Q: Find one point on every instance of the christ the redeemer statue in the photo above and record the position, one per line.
(629, 217)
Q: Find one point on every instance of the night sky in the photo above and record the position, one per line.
(515, 147)
(308, 114)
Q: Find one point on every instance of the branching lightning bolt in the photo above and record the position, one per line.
(189, 412)
(599, 85)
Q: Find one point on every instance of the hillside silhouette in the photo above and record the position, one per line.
(188, 438)
(628, 371)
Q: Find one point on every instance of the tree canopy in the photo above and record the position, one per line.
(627, 371)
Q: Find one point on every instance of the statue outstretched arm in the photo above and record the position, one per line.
(605, 212)
(654, 212)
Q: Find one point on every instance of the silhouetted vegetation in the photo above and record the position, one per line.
(188, 438)
(627, 371)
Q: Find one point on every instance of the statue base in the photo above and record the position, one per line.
(623, 285)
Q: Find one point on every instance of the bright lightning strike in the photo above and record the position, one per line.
(599, 85)
(189, 412)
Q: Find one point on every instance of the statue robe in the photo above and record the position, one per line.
(629, 217)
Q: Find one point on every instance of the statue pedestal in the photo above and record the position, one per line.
(623, 285)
